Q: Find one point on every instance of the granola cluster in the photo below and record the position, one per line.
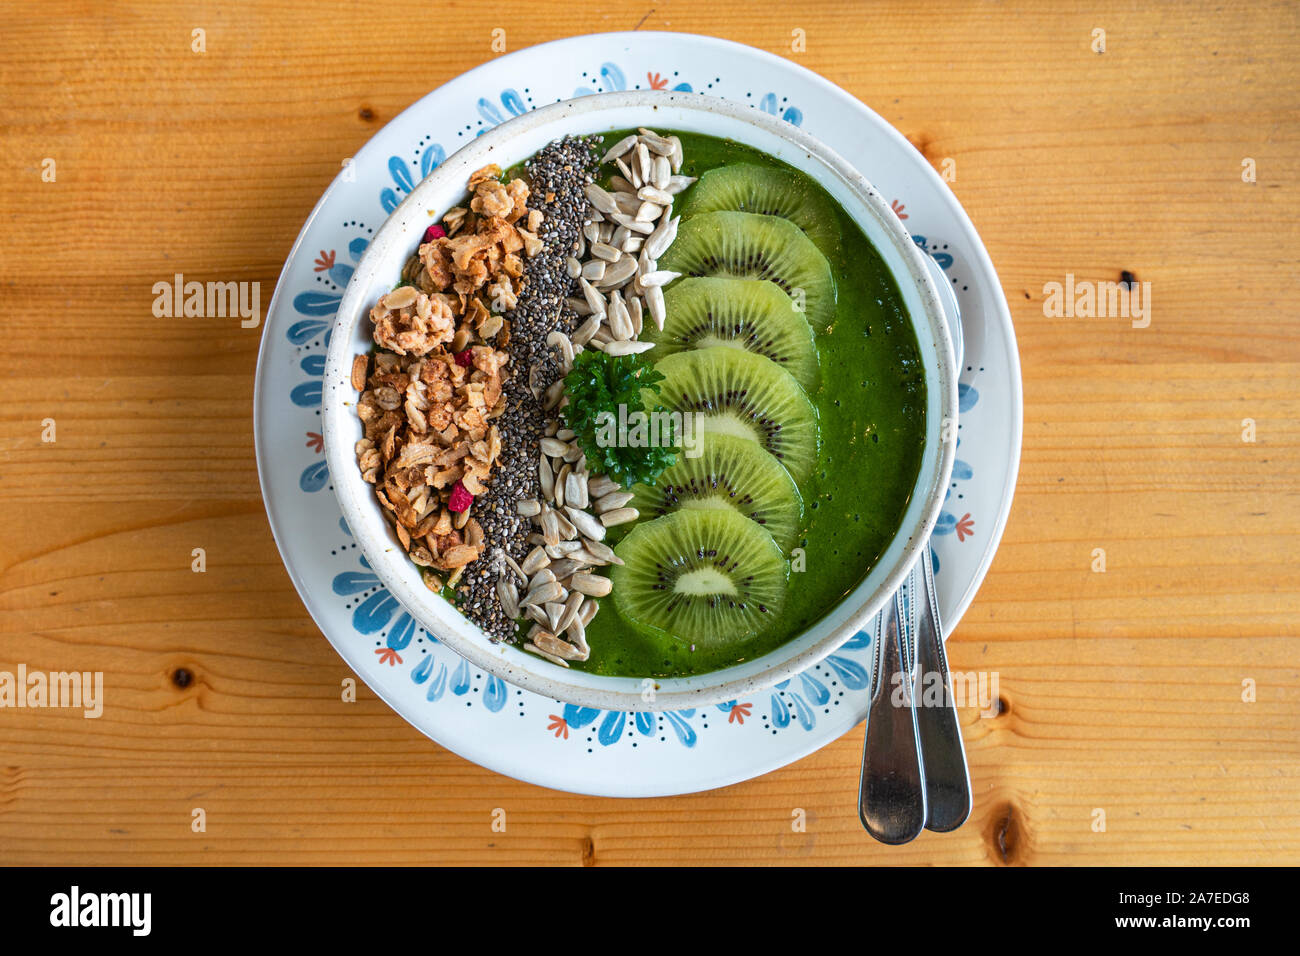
(429, 399)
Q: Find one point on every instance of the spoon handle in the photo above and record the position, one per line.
(947, 778)
(891, 795)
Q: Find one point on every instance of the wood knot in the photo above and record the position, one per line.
(1005, 835)
(924, 144)
(182, 677)
(367, 114)
(588, 851)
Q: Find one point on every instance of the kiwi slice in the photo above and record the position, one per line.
(730, 474)
(706, 578)
(750, 314)
(768, 191)
(744, 245)
(743, 394)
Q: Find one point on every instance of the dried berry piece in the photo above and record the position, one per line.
(460, 498)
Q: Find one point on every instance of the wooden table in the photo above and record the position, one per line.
(1122, 691)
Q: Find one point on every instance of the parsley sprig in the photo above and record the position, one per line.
(599, 387)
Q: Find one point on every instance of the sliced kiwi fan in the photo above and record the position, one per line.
(745, 245)
(743, 394)
(705, 564)
(729, 474)
(768, 191)
(750, 314)
(705, 578)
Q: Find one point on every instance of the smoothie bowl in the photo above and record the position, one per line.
(641, 401)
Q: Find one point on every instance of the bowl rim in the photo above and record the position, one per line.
(539, 675)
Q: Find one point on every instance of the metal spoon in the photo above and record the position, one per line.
(914, 772)
(891, 794)
(947, 777)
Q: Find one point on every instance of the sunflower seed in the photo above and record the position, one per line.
(543, 593)
(601, 551)
(635, 310)
(654, 300)
(619, 148)
(562, 474)
(554, 448)
(529, 507)
(535, 561)
(607, 252)
(535, 613)
(553, 611)
(661, 277)
(555, 396)
(544, 576)
(649, 212)
(677, 183)
(634, 225)
(578, 635)
(585, 524)
(620, 320)
(661, 172)
(677, 156)
(615, 499)
(660, 145)
(621, 185)
(591, 231)
(579, 306)
(594, 298)
(589, 609)
(573, 267)
(662, 237)
(593, 270)
(651, 194)
(553, 645)
(620, 271)
(558, 340)
(551, 527)
(565, 567)
(628, 172)
(545, 476)
(642, 162)
(595, 585)
(533, 648)
(628, 347)
(602, 200)
(571, 608)
(601, 485)
(583, 333)
(508, 595)
(514, 566)
(619, 516)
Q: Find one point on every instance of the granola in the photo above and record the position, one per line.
(430, 395)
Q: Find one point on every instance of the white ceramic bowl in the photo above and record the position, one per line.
(511, 142)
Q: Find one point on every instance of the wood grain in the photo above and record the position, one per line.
(1121, 691)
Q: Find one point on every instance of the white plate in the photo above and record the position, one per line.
(472, 713)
